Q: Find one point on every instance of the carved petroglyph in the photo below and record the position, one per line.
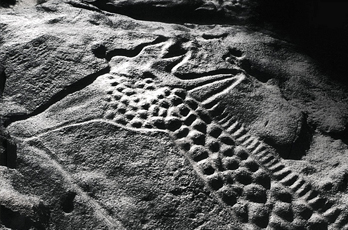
(240, 170)
(147, 92)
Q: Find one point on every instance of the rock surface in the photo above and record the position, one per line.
(116, 117)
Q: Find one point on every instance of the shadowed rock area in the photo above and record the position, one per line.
(153, 114)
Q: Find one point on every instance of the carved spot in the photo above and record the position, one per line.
(197, 137)
(302, 210)
(198, 153)
(255, 193)
(215, 182)
(200, 126)
(190, 119)
(263, 179)
(284, 211)
(241, 210)
(227, 152)
(67, 202)
(214, 146)
(173, 123)
(192, 104)
(228, 195)
(206, 168)
(241, 153)
(214, 131)
(280, 194)
(180, 93)
(259, 215)
(252, 166)
(230, 163)
(243, 177)
(183, 110)
(226, 140)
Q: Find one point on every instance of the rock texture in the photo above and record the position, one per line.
(168, 115)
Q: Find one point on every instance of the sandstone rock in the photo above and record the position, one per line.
(113, 118)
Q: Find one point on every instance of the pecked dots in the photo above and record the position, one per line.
(243, 176)
(226, 140)
(133, 106)
(180, 93)
(284, 210)
(153, 101)
(214, 146)
(183, 110)
(111, 77)
(166, 91)
(173, 111)
(277, 223)
(162, 112)
(198, 153)
(255, 193)
(197, 137)
(184, 144)
(228, 177)
(190, 119)
(230, 163)
(147, 125)
(200, 126)
(158, 122)
(108, 98)
(299, 224)
(114, 83)
(125, 100)
(175, 100)
(206, 167)
(117, 96)
(214, 131)
(142, 113)
(120, 88)
(241, 153)
(173, 123)
(215, 182)
(302, 210)
(262, 178)
(109, 114)
(136, 100)
(154, 110)
(136, 123)
(128, 91)
(316, 222)
(227, 151)
(144, 105)
(204, 116)
(241, 211)
(251, 165)
(182, 132)
(192, 104)
(229, 195)
(114, 105)
(164, 104)
(258, 215)
(119, 119)
(121, 109)
(281, 194)
(129, 115)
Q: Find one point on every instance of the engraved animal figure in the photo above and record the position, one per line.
(241, 172)
(157, 90)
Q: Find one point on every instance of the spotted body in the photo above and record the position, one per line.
(240, 171)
